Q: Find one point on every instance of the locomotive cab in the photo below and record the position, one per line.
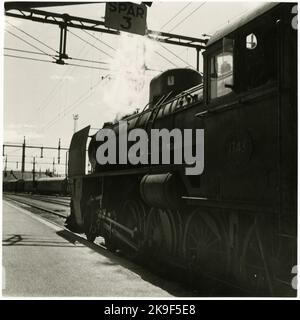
(243, 56)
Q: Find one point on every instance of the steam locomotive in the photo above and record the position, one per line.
(236, 223)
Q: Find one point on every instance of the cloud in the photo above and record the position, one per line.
(19, 126)
(17, 136)
(16, 132)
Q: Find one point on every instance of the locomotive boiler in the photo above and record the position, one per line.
(236, 223)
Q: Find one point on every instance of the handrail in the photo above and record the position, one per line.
(162, 103)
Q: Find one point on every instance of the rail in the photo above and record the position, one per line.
(28, 203)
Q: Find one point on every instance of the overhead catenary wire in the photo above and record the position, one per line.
(43, 52)
(175, 55)
(47, 54)
(31, 36)
(169, 21)
(30, 44)
(85, 66)
(147, 69)
(113, 47)
(87, 60)
(185, 18)
(79, 100)
(73, 105)
(54, 89)
(24, 51)
(91, 35)
(89, 91)
(65, 112)
(30, 156)
(162, 56)
(92, 45)
(36, 146)
(51, 94)
(27, 58)
(38, 162)
(176, 15)
(67, 64)
(39, 53)
(89, 43)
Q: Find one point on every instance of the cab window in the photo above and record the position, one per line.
(221, 72)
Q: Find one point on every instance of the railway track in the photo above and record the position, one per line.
(64, 201)
(41, 204)
(38, 204)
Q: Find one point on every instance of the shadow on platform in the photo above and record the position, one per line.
(140, 269)
(26, 240)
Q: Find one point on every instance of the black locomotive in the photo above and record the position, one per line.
(236, 223)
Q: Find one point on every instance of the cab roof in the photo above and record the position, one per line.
(247, 17)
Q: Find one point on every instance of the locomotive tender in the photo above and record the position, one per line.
(236, 223)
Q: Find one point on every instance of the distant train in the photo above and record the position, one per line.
(57, 185)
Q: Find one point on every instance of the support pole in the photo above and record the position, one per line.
(58, 157)
(61, 39)
(66, 164)
(5, 168)
(198, 58)
(23, 158)
(65, 42)
(62, 44)
(33, 170)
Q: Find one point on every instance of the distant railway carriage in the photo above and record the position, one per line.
(9, 185)
(19, 185)
(5, 186)
(57, 185)
(29, 186)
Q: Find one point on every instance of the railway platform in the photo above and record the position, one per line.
(43, 259)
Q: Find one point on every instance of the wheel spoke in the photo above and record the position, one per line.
(160, 235)
(204, 250)
(193, 238)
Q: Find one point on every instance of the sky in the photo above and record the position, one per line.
(40, 98)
